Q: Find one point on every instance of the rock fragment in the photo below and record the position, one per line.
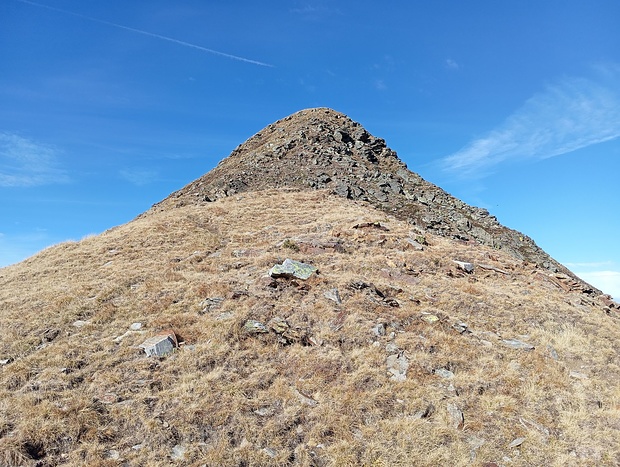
(305, 399)
(517, 344)
(577, 375)
(265, 411)
(415, 244)
(397, 366)
(252, 326)
(49, 335)
(279, 325)
(516, 443)
(461, 327)
(379, 330)
(446, 374)
(210, 304)
(160, 345)
(292, 269)
(429, 318)
(463, 266)
(333, 295)
(178, 452)
(457, 419)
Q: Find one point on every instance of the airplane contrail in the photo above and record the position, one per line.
(151, 34)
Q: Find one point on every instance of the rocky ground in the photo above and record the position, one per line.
(395, 346)
(324, 149)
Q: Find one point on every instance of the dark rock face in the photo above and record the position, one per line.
(324, 149)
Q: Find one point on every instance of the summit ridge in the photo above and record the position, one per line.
(320, 148)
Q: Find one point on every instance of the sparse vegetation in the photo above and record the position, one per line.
(86, 395)
(290, 244)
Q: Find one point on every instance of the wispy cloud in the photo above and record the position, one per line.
(139, 177)
(595, 264)
(315, 10)
(380, 85)
(451, 64)
(571, 114)
(26, 163)
(150, 34)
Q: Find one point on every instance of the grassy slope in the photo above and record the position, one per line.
(227, 398)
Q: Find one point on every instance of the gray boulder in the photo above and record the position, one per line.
(160, 345)
(292, 269)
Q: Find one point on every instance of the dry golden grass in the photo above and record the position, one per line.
(82, 396)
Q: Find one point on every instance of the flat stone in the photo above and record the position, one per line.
(463, 266)
(516, 443)
(447, 374)
(517, 344)
(225, 315)
(460, 327)
(252, 326)
(415, 244)
(577, 375)
(80, 323)
(291, 268)
(430, 318)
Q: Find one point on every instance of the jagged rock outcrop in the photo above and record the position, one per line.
(324, 149)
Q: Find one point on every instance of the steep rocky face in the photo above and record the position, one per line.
(324, 149)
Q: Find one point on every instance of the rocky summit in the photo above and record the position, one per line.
(324, 149)
(309, 302)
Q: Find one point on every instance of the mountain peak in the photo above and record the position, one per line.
(292, 326)
(320, 148)
(313, 148)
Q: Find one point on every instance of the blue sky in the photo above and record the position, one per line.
(108, 107)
